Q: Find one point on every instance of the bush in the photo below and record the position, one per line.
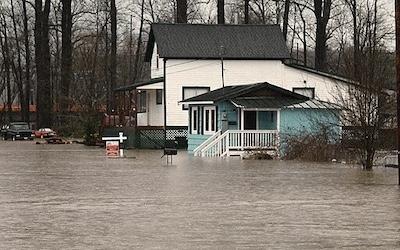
(319, 146)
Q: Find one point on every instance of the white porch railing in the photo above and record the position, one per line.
(197, 151)
(239, 140)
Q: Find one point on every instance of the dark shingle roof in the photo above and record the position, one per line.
(205, 41)
(232, 92)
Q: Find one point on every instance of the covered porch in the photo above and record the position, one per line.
(224, 130)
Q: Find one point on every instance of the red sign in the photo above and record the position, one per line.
(112, 149)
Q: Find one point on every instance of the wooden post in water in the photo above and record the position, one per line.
(397, 10)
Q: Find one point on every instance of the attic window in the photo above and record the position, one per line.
(309, 92)
(158, 62)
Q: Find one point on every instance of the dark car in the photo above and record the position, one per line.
(17, 131)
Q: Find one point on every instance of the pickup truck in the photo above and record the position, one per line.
(17, 131)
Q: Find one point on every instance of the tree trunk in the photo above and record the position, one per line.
(322, 9)
(18, 70)
(139, 44)
(181, 11)
(66, 59)
(356, 38)
(42, 59)
(7, 67)
(286, 19)
(27, 63)
(113, 62)
(246, 11)
(221, 11)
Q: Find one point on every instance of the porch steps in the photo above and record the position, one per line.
(237, 142)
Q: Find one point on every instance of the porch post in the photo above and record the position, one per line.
(165, 102)
(242, 129)
(278, 125)
(278, 120)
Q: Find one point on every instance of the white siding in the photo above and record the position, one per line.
(156, 71)
(181, 73)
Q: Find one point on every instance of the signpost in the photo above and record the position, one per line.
(114, 147)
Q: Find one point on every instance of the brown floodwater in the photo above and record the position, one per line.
(72, 197)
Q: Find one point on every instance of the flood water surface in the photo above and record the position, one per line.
(72, 197)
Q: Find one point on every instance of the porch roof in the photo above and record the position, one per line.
(237, 91)
(139, 84)
(278, 103)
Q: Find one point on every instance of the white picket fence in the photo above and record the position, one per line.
(220, 145)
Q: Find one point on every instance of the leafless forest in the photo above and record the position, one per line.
(66, 55)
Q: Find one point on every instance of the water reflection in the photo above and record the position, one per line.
(71, 197)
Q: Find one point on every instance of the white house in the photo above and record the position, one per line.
(192, 59)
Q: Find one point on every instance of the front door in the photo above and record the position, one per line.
(250, 120)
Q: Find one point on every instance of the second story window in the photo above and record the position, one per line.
(309, 92)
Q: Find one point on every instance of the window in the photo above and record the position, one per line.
(195, 120)
(141, 101)
(209, 120)
(159, 96)
(188, 92)
(309, 92)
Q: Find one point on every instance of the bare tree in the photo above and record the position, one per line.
(7, 64)
(366, 101)
(221, 11)
(322, 12)
(181, 11)
(113, 57)
(42, 59)
(286, 19)
(27, 61)
(66, 59)
(18, 68)
(246, 11)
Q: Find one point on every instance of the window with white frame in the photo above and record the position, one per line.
(188, 92)
(209, 120)
(309, 92)
(195, 120)
(141, 101)
(159, 96)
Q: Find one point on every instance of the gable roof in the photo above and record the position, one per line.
(232, 92)
(204, 41)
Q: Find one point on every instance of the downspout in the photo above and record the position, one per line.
(165, 102)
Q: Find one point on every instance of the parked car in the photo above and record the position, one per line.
(45, 133)
(17, 131)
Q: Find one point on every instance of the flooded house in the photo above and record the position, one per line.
(188, 60)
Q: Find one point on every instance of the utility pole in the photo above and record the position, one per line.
(397, 10)
(222, 53)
